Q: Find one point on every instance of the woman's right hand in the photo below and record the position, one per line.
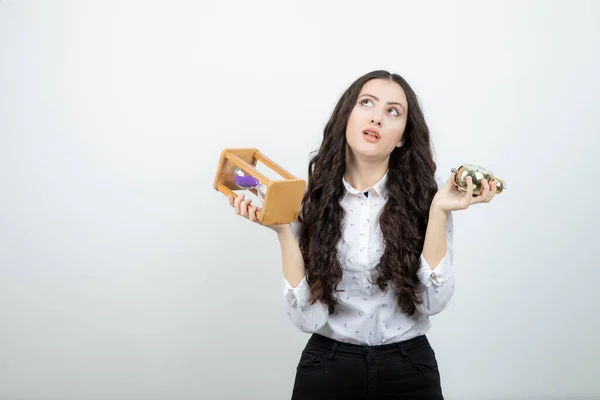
(244, 208)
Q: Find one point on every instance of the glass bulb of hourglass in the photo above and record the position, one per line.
(246, 181)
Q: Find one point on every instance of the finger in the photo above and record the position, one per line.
(236, 203)
(485, 193)
(493, 189)
(468, 197)
(252, 214)
(485, 190)
(244, 208)
(230, 198)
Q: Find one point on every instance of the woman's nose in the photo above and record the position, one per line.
(375, 120)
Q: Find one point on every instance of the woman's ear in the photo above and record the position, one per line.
(400, 143)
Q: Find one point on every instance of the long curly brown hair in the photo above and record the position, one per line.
(411, 186)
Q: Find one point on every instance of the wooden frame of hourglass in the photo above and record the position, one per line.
(283, 197)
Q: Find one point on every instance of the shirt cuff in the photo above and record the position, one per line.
(437, 276)
(298, 295)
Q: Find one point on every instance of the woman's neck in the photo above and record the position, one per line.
(362, 174)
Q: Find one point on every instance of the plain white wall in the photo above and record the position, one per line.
(125, 275)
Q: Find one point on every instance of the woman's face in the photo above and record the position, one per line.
(376, 124)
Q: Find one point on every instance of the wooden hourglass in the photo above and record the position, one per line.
(281, 198)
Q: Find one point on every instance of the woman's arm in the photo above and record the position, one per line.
(435, 246)
(436, 272)
(291, 256)
(436, 269)
(305, 316)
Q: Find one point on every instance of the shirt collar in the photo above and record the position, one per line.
(380, 188)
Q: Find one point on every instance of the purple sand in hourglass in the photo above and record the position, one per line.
(245, 182)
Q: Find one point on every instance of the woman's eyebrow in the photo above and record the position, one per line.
(389, 102)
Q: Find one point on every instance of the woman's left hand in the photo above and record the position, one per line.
(449, 198)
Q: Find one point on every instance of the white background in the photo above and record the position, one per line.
(125, 275)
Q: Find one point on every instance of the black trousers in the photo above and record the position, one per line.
(329, 369)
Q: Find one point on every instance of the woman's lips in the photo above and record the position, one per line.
(370, 137)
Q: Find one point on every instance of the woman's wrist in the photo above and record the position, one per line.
(283, 230)
(437, 212)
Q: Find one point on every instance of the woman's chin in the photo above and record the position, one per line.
(368, 153)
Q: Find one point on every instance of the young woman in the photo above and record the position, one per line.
(370, 258)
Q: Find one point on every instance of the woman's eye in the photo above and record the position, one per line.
(395, 113)
(363, 101)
